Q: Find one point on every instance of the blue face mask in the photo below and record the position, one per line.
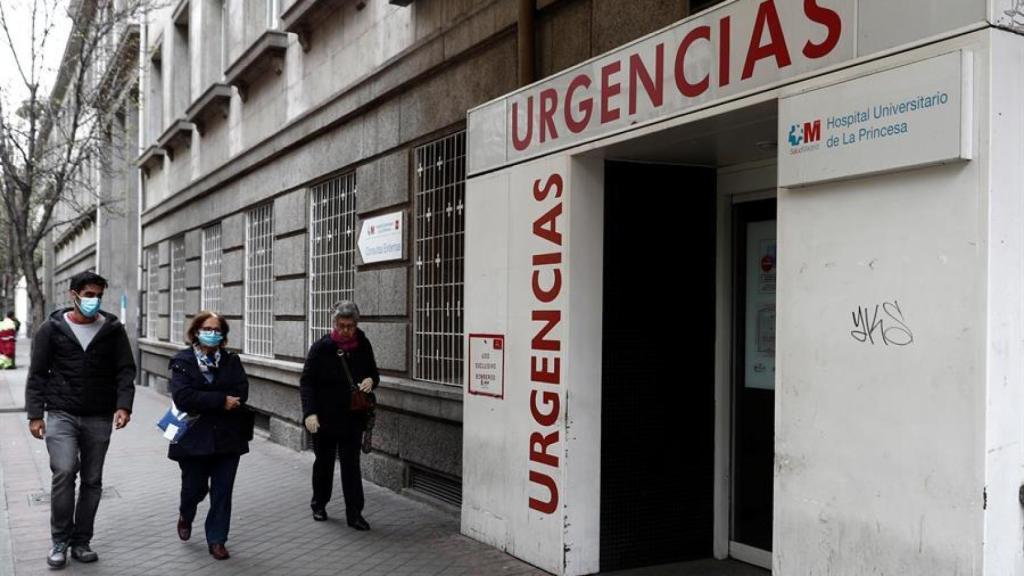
(210, 338)
(89, 306)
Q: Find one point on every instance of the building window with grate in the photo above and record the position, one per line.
(152, 291)
(259, 281)
(332, 246)
(440, 224)
(178, 289)
(210, 266)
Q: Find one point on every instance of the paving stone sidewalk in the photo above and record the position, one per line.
(271, 533)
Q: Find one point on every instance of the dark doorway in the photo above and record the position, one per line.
(754, 226)
(657, 418)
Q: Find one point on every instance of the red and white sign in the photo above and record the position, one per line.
(740, 46)
(487, 365)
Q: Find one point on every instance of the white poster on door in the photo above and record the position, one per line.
(759, 345)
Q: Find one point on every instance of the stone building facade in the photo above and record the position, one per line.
(276, 132)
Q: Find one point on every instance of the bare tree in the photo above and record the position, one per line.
(9, 269)
(52, 142)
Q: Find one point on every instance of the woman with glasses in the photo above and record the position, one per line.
(210, 385)
(338, 376)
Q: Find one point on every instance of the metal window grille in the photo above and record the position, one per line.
(259, 281)
(152, 291)
(436, 485)
(211, 267)
(440, 226)
(332, 248)
(178, 289)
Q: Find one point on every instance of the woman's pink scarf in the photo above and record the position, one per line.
(346, 343)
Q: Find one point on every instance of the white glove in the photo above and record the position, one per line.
(312, 423)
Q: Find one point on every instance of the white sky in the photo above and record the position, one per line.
(19, 20)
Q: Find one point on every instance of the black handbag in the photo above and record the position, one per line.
(360, 401)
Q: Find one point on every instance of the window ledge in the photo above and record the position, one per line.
(121, 64)
(152, 157)
(303, 15)
(216, 97)
(424, 398)
(412, 396)
(177, 134)
(160, 347)
(265, 54)
(280, 371)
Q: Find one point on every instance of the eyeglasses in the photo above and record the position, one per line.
(205, 329)
(345, 327)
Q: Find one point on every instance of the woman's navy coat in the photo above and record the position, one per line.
(217, 431)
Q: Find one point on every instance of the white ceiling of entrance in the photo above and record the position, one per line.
(737, 137)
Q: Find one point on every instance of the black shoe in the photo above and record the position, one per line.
(320, 515)
(58, 556)
(83, 553)
(359, 523)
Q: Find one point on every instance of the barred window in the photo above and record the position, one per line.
(332, 245)
(440, 224)
(211, 265)
(152, 291)
(259, 281)
(177, 289)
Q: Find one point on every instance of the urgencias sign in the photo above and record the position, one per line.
(732, 49)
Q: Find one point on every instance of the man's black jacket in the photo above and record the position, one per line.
(91, 382)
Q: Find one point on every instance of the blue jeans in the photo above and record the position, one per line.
(214, 475)
(77, 446)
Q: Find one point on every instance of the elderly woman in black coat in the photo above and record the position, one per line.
(339, 365)
(209, 384)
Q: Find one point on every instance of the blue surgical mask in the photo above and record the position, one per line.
(210, 338)
(89, 306)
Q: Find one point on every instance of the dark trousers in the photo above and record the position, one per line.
(214, 475)
(77, 446)
(333, 444)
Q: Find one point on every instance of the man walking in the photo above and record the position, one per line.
(82, 376)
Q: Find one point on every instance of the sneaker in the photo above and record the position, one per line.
(319, 514)
(58, 557)
(83, 553)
